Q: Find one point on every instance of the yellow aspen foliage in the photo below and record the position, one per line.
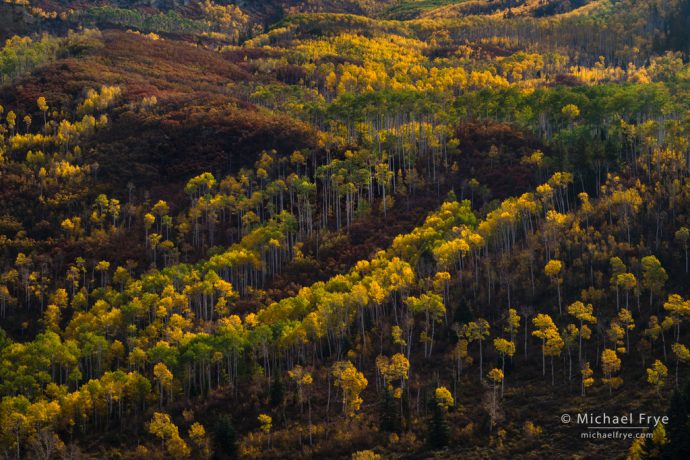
(165, 379)
(42, 104)
(513, 322)
(443, 397)
(637, 451)
(504, 347)
(164, 429)
(681, 352)
(394, 368)
(610, 365)
(570, 112)
(397, 336)
(302, 378)
(366, 455)
(656, 376)
(553, 268)
(532, 430)
(197, 434)
(352, 383)
(495, 376)
(265, 423)
(659, 440)
(587, 377)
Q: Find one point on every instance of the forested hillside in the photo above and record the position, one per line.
(343, 229)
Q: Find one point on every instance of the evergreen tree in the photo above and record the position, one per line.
(439, 433)
(277, 391)
(388, 418)
(686, 396)
(225, 438)
(678, 428)
(463, 312)
(406, 414)
(677, 28)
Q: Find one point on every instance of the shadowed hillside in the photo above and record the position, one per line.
(348, 230)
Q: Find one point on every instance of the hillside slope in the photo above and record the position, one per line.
(357, 230)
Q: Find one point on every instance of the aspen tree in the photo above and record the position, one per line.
(628, 282)
(513, 323)
(628, 323)
(43, 107)
(584, 314)
(682, 236)
(266, 424)
(658, 442)
(570, 335)
(682, 355)
(352, 383)
(304, 381)
(552, 347)
(679, 309)
(656, 376)
(11, 119)
(163, 428)
(587, 377)
(545, 331)
(477, 331)
(617, 269)
(616, 334)
(505, 348)
(553, 270)
(610, 365)
(495, 376)
(165, 379)
(197, 434)
(654, 276)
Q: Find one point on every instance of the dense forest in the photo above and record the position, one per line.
(349, 229)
